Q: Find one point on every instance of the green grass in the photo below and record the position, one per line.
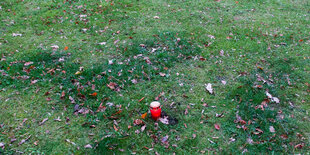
(267, 39)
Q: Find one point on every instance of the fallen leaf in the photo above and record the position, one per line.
(57, 119)
(76, 107)
(16, 35)
(48, 99)
(275, 99)
(43, 121)
(61, 59)
(55, 47)
(231, 139)
(161, 94)
(259, 67)
(24, 140)
(164, 139)
(211, 36)
(46, 93)
(209, 88)
(1, 145)
(164, 120)
(129, 126)
(143, 128)
(186, 111)
(13, 140)
(109, 104)
(101, 108)
(67, 140)
(141, 99)
(116, 41)
(28, 63)
(162, 74)
(185, 125)
(222, 53)
(102, 43)
(34, 81)
(93, 94)
(62, 95)
(259, 131)
(268, 95)
(88, 146)
(299, 146)
(138, 122)
(112, 85)
(217, 127)
(78, 73)
(134, 81)
(250, 140)
(83, 111)
(284, 136)
(271, 129)
(144, 115)
(219, 115)
(211, 141)
(71, 99)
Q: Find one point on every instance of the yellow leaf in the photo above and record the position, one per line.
(78, 72)
(259, 67)
(144, 115)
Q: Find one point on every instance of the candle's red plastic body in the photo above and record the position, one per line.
(155, 112)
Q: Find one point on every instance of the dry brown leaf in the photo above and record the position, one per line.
(62, 95)
(138, 122)
(217, 127)
(43, 121)
(101, 107)
(112, 85)
(129, 126)
(141, 99)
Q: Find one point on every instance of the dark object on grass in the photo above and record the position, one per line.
(171, 120)
(76, 107)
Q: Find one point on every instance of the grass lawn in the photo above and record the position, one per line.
(77, 76)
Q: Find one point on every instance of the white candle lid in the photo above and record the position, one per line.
(155, 104)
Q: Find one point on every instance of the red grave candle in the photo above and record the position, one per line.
(155, 110)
